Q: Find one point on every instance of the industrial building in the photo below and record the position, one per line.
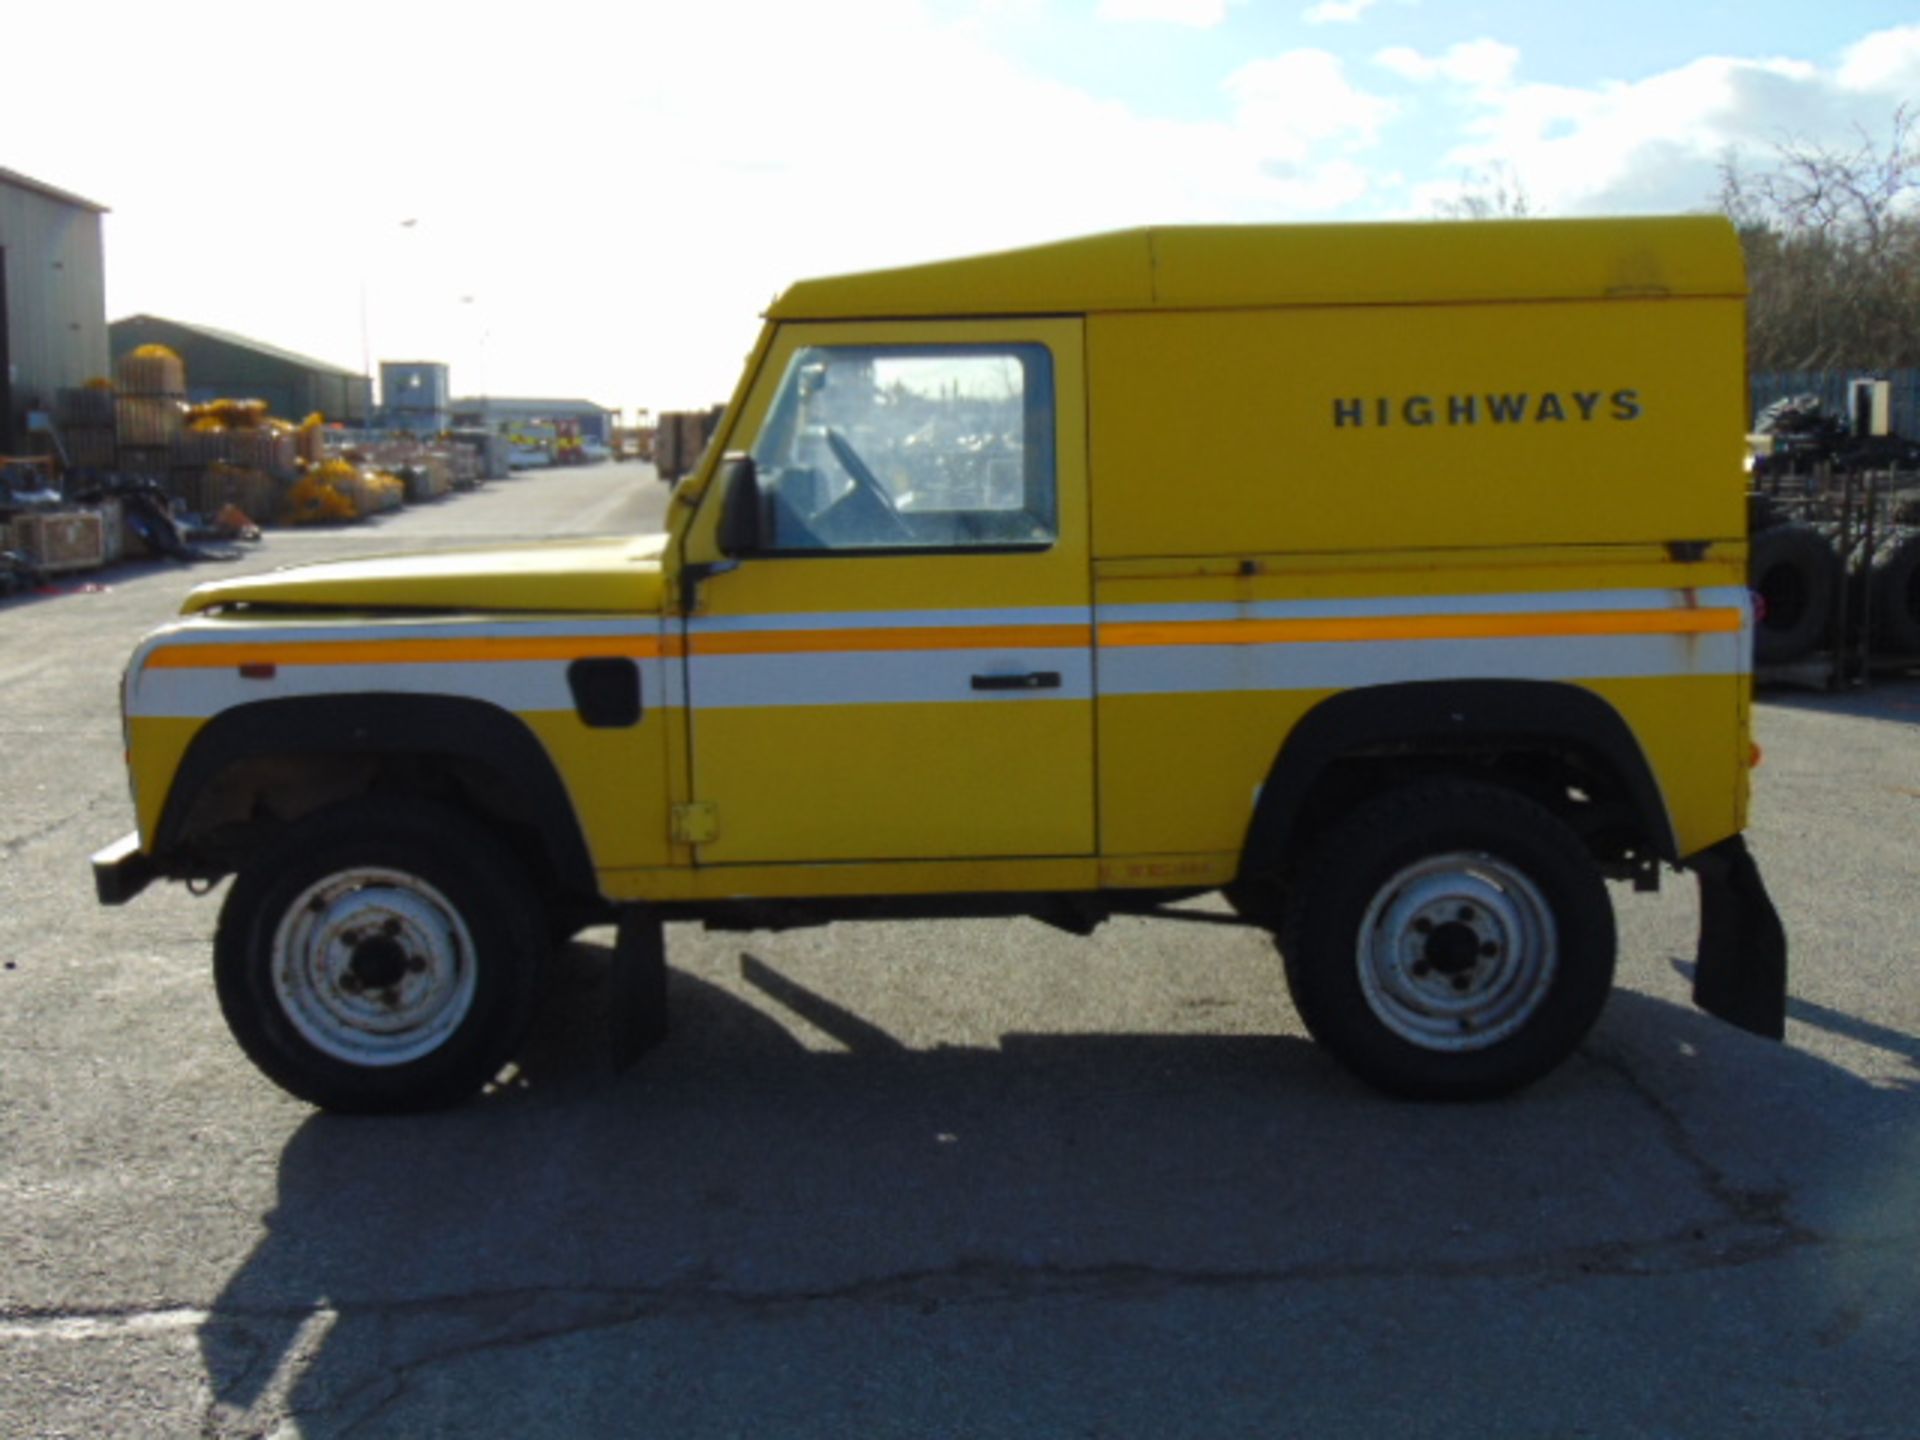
(414, 396)
(494, 412)
(53, 301)
(222, 365)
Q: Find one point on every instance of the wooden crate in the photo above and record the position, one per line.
(62, 540)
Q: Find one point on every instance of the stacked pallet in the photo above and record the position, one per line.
(87, 426)
(150, 401)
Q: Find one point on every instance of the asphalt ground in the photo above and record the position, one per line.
(957, 1179)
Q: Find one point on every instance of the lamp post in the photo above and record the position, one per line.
(366, 340)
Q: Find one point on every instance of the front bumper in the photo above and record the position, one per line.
(122, 870)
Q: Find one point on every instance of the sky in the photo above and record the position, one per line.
(598, 201)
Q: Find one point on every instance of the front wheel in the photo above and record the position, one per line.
(379, 956)
(1449, 940)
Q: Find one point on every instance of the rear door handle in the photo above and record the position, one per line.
(1032, 680)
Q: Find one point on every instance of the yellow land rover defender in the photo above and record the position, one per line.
(1388, 579)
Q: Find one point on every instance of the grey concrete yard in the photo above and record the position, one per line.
(959, 1179)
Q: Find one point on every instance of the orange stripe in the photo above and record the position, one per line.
(404, 652)
(1420, 627)
(962, 637)
(930, 637)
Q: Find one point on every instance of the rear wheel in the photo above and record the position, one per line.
(1449, 940)
(380, 956)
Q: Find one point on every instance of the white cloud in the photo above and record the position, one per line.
(1201, 14)
(1291, 103)
(1887, 60)
(1478, 63)
(1657, 143)
(1337, 12)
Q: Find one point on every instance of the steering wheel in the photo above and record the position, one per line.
(864, 478)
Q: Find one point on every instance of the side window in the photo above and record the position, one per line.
(910, 447)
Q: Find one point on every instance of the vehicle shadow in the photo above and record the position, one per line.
(738, 1175)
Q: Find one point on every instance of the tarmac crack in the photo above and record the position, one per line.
(1753, 1230)
(1756, 1209)
(13, 845)
(971, 1282)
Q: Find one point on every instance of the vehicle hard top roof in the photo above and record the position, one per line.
(1254, 266)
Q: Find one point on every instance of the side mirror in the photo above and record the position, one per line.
(741, 529)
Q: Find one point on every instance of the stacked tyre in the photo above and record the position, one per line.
(1794, 574)
(1893, 593)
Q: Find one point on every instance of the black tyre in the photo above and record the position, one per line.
(1450, 940)
(380, 956)
(1893, 589)
(1794, 571)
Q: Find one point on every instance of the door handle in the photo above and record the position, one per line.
(1032, 680)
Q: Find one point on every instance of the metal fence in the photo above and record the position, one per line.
(1831, 387)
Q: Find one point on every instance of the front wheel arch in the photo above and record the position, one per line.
(348, 743)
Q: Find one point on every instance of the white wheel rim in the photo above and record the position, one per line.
(1457, 953)
(374, 967)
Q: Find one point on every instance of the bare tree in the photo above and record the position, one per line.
(1832, 240)
(1495, 193)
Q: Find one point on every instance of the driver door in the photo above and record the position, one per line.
(903, 668)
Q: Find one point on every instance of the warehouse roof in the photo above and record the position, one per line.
(258, 347)
(1206, 267)
(27, 182)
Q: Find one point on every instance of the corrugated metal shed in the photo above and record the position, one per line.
(53, 299)
(492, 411)
(221, 364)
(1831, 387)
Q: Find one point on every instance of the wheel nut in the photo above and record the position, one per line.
(350, 983)
(392, 927)
(1423, 926)
(1464, 914)
(1461, 982)
(1489, 949)
(416, 966)
(1422, 969)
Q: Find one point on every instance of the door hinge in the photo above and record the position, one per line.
(696, 824)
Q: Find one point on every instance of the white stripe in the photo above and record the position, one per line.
(293, 630)
(1551, 602)
(894, 619)
(525, 686)
(1201, 669)
(895, 677)
(945, 676)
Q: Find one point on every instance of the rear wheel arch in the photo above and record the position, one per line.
(311, 752)
(1532, 735)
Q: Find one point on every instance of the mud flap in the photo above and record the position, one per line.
(1740, 972)
(637, 986)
